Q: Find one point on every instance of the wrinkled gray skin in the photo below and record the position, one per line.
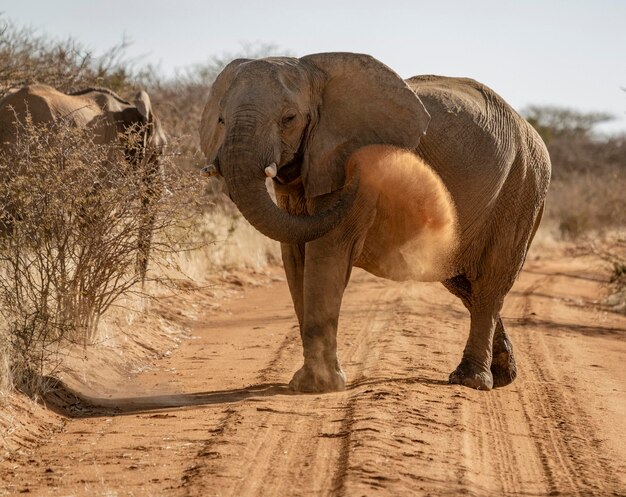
(308, 115)
(107, 115)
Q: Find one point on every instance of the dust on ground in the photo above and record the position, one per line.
(215, 417)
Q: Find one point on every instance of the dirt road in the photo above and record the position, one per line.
(216, 417)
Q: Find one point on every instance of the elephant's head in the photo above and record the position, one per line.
(140, 117)
(293, 118)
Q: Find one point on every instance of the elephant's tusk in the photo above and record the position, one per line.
(271, 170)
(210, 171)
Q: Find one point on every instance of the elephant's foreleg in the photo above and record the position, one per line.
(144, 238)
(327, 269)
(293, 262)
(152, 190)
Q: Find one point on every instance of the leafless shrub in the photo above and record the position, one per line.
(29, 57)
(618, 272)
(613, 253)
(583, 201)
(588, 170)
(71, 223)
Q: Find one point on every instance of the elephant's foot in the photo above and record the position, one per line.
(471, 375)
(503, 366)
(312, 379)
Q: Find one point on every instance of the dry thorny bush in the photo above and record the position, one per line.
(72, 226)
(72, 249)
(588, 200)
(27, 57)
(613, 253)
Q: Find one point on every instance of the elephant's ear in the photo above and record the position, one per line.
(155, 137)
(362, 102)
(210, 135)
(144, 106)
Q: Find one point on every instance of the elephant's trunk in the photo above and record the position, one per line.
(243, 160)
(152, 190)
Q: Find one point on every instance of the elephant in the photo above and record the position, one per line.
(110, 118)
(310, 124)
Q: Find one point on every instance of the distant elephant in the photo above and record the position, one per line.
(109, 117)
(304, 121)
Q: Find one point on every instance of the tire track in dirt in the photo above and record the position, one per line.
(364, 355)
(189, 428)
(497, 454)
(391, 430)
(306, 443)
(498, 443)
(413, 433)
(563, 433)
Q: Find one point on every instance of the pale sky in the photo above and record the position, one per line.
(569, 53)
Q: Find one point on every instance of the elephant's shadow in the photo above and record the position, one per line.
(71, 403)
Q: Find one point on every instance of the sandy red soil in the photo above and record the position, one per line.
(216, 418)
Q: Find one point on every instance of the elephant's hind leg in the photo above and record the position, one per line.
(503, 366)
(474, 371)
(488, 361)
(488, 356)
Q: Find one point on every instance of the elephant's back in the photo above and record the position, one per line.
(453, 95)
(473, 141)
(493, 163)
(473, 131)
(16, 105)
(472, 137)
(28, 99)
(463, 108)
(44, 104)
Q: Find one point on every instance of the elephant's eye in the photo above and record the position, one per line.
(220, 120)
(289, 117)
